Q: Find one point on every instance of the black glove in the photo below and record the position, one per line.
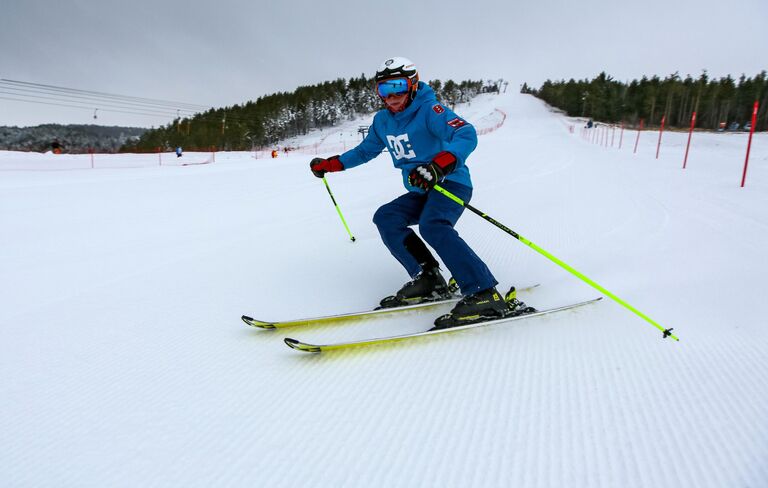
(320, 166)
(426, 176)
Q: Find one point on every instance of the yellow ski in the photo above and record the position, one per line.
(306, 347)
(351, 316)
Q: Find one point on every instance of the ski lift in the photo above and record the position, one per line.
(94, 113)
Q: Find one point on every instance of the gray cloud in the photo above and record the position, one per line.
(227, 52)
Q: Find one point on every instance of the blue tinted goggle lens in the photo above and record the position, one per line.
(396, 86)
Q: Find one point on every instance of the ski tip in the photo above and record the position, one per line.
(300, 346)
(257, 323)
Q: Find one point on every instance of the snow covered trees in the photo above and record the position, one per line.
(282, 115)
(608, 100)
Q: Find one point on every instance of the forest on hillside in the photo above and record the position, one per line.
(718, 103)
(71, 138)
(270, 118)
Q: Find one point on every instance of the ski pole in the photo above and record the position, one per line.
(338, 209)
(554, 259)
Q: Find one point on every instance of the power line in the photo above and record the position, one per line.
(90, 106)
(154, 101)
(84, 108)
(51, 95)
(201, 116)
(89, 100)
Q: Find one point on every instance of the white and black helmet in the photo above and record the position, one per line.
(399, 67)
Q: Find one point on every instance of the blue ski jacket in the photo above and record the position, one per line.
(415, 136)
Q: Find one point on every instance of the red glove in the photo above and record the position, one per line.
(320, 166)
(427, 176)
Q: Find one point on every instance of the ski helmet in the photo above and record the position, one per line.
(399, 67)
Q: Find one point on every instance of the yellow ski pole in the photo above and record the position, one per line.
(338, 209)
(554, 259)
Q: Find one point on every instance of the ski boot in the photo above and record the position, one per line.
(483, 306)
(517, 307)
(427, 286)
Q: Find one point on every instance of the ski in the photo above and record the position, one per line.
(352, 315)
(317, 348)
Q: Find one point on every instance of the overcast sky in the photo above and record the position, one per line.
(224, 52)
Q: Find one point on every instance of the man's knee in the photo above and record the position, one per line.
(386, 216)
(435, 231)
(381, 216)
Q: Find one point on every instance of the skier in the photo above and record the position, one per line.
(430, 144)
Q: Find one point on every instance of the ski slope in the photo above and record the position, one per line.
(124, 363)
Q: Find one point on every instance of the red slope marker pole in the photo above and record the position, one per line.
(621, 136)
(749, 144)
(661, 131)
(690, 132)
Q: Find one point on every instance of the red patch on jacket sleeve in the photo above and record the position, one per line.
(456, 123)
(438, 109)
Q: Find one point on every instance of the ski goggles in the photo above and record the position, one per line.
(394, 86)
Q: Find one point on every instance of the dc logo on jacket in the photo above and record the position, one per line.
(401, 147)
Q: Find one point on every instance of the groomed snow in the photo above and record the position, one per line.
(123, 361)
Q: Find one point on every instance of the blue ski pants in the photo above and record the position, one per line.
(436, 215)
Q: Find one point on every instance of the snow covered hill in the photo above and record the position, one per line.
(123, 361)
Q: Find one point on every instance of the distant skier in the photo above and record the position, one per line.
(178, 152)
(56, 147)
(429, 143)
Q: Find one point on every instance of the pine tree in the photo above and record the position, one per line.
(608, 100)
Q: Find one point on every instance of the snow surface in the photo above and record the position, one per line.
(123, 360)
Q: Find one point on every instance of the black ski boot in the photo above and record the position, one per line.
(428, 286)
(517, 307)
(483, 306)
